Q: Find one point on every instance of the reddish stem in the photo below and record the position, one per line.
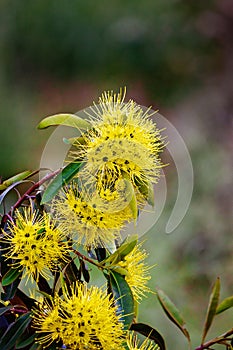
(25, 196)
(33, 188)
(19, 311)
(215, 340)
(86, 258)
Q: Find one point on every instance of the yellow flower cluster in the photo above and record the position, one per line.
(120, 156)
(85, 319)
(123, 145)
(34, 244)
(88, 220)
(123, 137)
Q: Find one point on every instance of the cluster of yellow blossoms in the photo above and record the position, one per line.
(35, 244)
(84, 319)
(120, 156)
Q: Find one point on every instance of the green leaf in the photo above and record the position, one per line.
(64, 119)
(212, 307)
(123, 298)
(147, 190)
(77, 140)
(10, 276)
(225, 305)
(60, 180)
(150, 196)
(14, 331)
(172, 312)
(23, 341)
(131, 197)
(13, 179)
(120, 270)
(126, 247)
(150, 333)
(5, 309)
(11, 289)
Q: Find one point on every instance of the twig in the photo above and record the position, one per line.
(26, 195)
(33, 188)
(87, 259)
(215, 340)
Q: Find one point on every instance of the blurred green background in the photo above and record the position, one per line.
(175, 55)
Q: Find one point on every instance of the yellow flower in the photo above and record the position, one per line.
(88, 219)
(133, 344)
(123, 141)
(138, 272)
(35, 245)
(85, 319)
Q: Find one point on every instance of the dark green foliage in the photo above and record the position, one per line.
(11, 276)
(24, 341)
(60, 180)
(150, 333)
(14, 331)
(123, 298)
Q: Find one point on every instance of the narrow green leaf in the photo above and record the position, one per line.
(126, 247)
(123, 298)
(10, 276)
(11, 289)
(13, 179)
(120, 270)
(212, 307)
(64, 119)
(24, 341)
(150, 333)
(77, 140)
(172, 312)
(131, 197)
(225, 305)
(60, 180)
(5, 309)
(147, 190)
(14, 331)
(150, 197)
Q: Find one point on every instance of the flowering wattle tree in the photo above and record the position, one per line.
(73, 218)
